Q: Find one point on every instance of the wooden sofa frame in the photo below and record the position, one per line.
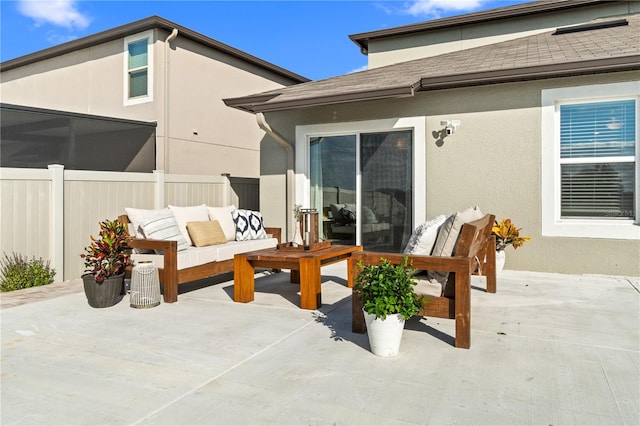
(170, 276)
(475, 252)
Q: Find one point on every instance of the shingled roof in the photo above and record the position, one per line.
(139, 26)
(483, 16)
(610, 45)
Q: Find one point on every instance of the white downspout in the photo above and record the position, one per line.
(290, 175)
(167, 48)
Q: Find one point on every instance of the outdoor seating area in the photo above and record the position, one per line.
(194, 242)
(547, 349)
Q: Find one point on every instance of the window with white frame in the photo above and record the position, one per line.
(138, 68)
(590, 161)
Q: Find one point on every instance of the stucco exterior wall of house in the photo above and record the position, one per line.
(86, 81)
(205, 136)
(401, 48)
(493, 160)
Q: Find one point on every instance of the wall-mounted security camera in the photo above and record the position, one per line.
(450, 126)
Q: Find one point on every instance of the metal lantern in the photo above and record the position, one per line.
(145, 286)
(309, 226)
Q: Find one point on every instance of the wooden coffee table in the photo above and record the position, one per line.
(304, 265)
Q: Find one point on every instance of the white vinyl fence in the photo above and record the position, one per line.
(51, 213)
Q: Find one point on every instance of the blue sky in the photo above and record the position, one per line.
(310, 38)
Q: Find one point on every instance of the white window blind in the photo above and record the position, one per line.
(597, 159)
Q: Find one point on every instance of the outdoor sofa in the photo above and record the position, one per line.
(195, 242)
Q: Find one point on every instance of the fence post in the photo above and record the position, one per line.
(226, 190)
(159, 196)
(56, 224)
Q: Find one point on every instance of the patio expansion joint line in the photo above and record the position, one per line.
(633, 285)
(610, 386)
(217, 376)
(562, 342)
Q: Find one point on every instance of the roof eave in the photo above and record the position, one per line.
(391, 92)
(139, 26)
(538, 72)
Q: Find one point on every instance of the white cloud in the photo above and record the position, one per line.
(362, 68)
(436, 8)
(62, 13)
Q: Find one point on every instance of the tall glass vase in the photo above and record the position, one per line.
(297, 236)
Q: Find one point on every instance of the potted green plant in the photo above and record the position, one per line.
(387, 293)
(506, 235)
(105, 260)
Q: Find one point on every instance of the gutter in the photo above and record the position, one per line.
(290, 174)
(167, 48)
(250, 104)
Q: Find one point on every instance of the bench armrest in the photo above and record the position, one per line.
(149, 244)
(276, 232)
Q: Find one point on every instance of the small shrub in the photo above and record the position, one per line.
(386, 289)
(17, 272)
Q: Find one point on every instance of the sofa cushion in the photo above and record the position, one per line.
(206, 233)
(224, 215)
(424, 237)
(348, 213)
(189, 214)
(249, 225)
(368, 216)
(231, 248)
(448, 237)
(335, 210)
(427, 287)
(137, 216)
(162, 226)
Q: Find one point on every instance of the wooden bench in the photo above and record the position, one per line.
(475, 252)
(170, 276)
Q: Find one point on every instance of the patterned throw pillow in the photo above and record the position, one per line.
(249, 225)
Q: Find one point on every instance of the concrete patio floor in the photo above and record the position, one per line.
(546, 349)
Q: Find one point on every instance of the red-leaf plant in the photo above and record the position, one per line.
(109, 254)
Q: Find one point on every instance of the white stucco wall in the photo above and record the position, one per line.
(493, 161)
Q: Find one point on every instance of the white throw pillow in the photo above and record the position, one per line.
(138, 216)
(163, 226)
(368, 216)
(224, 216)
(448, 237)
(249, 225)
(189, 214)
(424, 237)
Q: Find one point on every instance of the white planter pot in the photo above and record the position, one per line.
(500, 258)
(384, 334)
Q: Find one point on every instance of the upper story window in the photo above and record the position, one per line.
(138, 87)
(590, 161)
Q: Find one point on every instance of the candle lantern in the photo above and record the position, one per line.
(309, 226)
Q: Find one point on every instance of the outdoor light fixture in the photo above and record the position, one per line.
(450, 126)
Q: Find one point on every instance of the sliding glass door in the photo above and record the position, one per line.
(362, 186)
(332, 168)
(386, 201)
